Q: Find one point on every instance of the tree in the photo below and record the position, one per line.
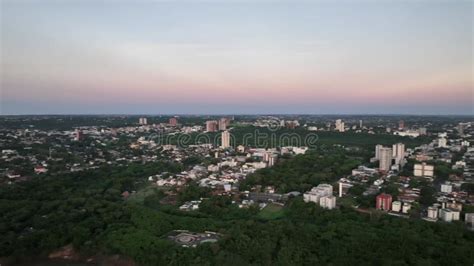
(427, 195)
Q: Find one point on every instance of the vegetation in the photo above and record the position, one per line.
(93, 217)
(304, 171)
(264, 137)
(271, 211)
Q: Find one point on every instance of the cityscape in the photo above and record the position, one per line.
(240, 133)
(193, 173)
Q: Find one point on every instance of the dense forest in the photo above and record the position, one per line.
(303, 172)
(266, 138)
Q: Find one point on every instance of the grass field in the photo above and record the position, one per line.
(271, 212)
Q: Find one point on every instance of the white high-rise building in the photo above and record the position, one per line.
(385, 160)
(377, 151)
(339, 125)
(398, 152)
(225, 139)
(142, 121)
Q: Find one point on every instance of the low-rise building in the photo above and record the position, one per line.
(446, 187)
(469, 220)
(406, 207)
(396, 206)
(321, 195)
(423, 170)
(433, 213)
(448, 215)
(322, 190)
(328, 202)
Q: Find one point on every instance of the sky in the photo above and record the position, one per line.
(236, 57)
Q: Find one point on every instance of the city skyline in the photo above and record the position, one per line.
(237, 58)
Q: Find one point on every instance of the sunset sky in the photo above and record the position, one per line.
(240, 57)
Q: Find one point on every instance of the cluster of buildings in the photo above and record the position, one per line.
(403, 131)
(91, 147)
(217, 125)
(322, 196)
(273, 122)
(385, 202)
(449, 149)
(390, 158)
(444, 212)
(226, 169)
(177, 180)
(223, 166)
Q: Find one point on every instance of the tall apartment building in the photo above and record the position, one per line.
(377, 151)
(339, 125)
(173, 121)
(398, 153)
(211, 126)
(142, 121)
(401, 125)
(223, 123)
(385, 160)
(78, 135)
(225, 139)
(383, 202)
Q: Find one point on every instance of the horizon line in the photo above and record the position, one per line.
(229, 114)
